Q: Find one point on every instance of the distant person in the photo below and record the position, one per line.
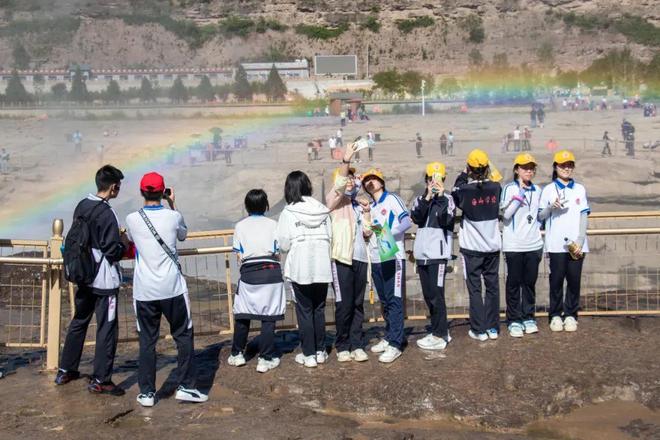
(339, 138)
(433, 213)
(522, 245)
(332, 144)
(108, 245)
(371, 141)
(606, 145)
(532, 117)
(443, 144)
(565, 210)
(418, 144)
(260, 293)
(77, 141)
(516, 138)
(342, 118)
(159, 289)
(327, 111)
(310, 150)
(304, 232)
(540, 115)
(527, 139)
(478, 198)
(628, 133)
(450, 143)
(4, 161)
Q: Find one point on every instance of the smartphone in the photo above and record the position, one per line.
(167, 192)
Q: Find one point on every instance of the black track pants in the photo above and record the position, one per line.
(349, 282)
(266, 338)
(310, 312)
(484, 310)
(522, 272)
(432, 278)
(563, 267)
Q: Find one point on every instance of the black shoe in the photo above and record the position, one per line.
(64, 377)
(96, 387)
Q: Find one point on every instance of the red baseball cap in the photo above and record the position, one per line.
(152, 182)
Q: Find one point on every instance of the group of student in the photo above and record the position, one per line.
(353, 240)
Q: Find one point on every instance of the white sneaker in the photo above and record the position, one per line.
(190, 395)
(359, 355)
(236, 360)
(147, 399)
(321, 357)
(492, 333)
(264, 365)
(431, 342)
(344, 356)
(530, 327)
(556, 325)
(389, 355)
(380, 347)
(307, 361)
(516, 330)
(478, 336)
(570, 324)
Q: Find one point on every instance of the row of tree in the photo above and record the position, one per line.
(274, 88)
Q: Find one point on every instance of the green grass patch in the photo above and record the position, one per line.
(635, 28)
(321, 32)
(408, 25)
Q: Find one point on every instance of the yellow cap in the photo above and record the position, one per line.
(335, 173)
(375, 172)
(524, 159)
(436, 168)
(477, 159)
(564, 156)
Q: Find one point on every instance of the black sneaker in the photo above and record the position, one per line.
(97, 387)
(63, 377)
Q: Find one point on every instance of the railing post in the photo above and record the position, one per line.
(54, 298)
(230, 299)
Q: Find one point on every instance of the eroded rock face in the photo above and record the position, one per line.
(517, 28)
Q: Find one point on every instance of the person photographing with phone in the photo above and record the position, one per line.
(565, 209)
(433, 213)
(159, 288)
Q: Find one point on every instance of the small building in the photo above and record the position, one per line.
(340, 100)
(292, 69)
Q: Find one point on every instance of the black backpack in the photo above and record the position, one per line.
(80, 267)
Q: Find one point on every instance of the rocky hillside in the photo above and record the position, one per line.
(441, 36)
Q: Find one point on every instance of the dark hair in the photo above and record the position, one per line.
(515, 167)
(478, 173)
(151, 196)
(256, 202)
(554, 171)
(107, 176)
(296, 186)
(428, 178)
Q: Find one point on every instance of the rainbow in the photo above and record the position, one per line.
(29, 218)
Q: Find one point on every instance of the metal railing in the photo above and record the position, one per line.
(621, 277)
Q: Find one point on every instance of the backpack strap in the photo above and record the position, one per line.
(160, 241)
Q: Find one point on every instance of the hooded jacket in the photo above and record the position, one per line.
(304, 232)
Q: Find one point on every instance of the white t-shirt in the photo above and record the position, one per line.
(156, 276)
(332, 143)
(255, 236)
(521, 232)
(516, 135)
(339, 134)
(564, 223)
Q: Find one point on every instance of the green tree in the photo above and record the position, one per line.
(475, 59)
(178, 92)
(567, 80)
(15, 92)
(546, 54)
(79, 91)
(147, 92)
(205, 91)
(275, 87)
(389, 81)
(21, 57)
(474, 26)
(449, 86)
(412, 82)
(113, 92)
(242, 88)
(38, 84)
(59, 92)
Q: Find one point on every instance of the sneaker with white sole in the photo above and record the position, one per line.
(190, 395)
(344, 356)
(492, 333)
(478, 336)
(556, 324)
(570, 324)
(321, 357)
(236, 360)
(146, 399)
(380, 347)
(432, 342)
(516, 330)
(307, 361)
(359, 355)
(530, 327)
(265, 365)
(389, 355)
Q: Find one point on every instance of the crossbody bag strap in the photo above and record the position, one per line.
(160, 241)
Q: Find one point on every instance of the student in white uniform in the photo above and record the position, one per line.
(159, 288)
(260, 293)
(522, 245)
(565, 209)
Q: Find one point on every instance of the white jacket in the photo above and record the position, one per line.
(304, 232)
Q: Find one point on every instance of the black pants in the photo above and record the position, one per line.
(484, 311)
(563, 267)
(310, 312)
(176, 312)
(418, 149)
(432, 277)
(349, 284)
(266, 338)
(371, 153)
(522, 271)
(606, 149)
(107, 333)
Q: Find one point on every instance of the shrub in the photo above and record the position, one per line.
(321, 32)
(407, 26)
(473, 25)
(235, 26)
(263, 25)
(372, 24)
